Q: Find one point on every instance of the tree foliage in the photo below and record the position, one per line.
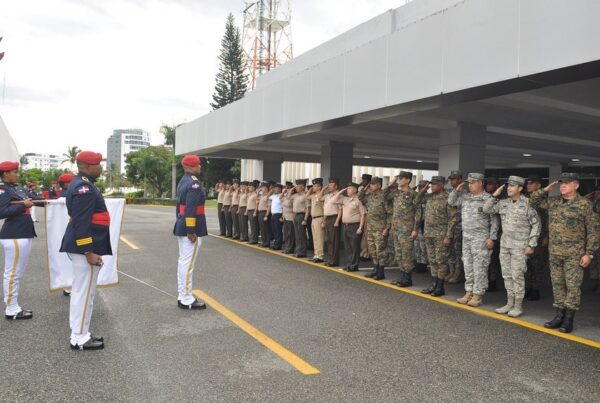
(150, 167)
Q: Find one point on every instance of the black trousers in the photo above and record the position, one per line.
(331, 249)
(222, 225)
(277, 227)
(243, 223)
(253, 221)
(288, 236)
(300, 234)
(235, 220)
(228, 222)
(265, 234)
(352, 244)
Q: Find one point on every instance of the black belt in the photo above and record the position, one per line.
(317, 216)
(333, 215)
(299, 213)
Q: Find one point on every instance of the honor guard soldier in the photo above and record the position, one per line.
(189, 229)
(64, 181)
(86, 240)
(16, 236)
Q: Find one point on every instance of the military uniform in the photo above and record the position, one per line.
(233, 210)
(420, 247)
(477, 228)
(299, 205)
(521, 229)
(365, 254)
(331, 244)
(16, 237)
(379, 212)
(242, 217)
(352, 212)
(405, 215)
(252, 214)
(317, 200)
(220, 212)
(538, 262)
(440, 219)
(455, 262)
(227, 198)
(573, 229)
(263, 212)
(289, 243)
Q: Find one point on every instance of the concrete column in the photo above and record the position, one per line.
(336, 161)
(462, 148)
(271, 170)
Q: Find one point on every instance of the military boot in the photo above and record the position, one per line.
(477, 300)
(405, 280)
(567, 324)
(455, 277)
(434, 281)
(517, 309)
(439, 288)
(466, 298)
(510, 301)
(421, 268)
(373, 272)
(380, 274)
(557, 321)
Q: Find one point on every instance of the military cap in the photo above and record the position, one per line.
(475, 176)
(278, 185)
(405, 174)
(300, 181)
(265, 184)
(334, 180)
(377, 179)
(317, 181)
(236, 180)
(289, 184)
(455, 174)
(191, 160)
(353, 184)
(366, 177)
(271, 183)
(423, 182)
(516, 180)
(567, 177)
(492, 180)
(534, 178)
(254, 183)
(91, 158)
(9, 166)
(66, 177)
(438, 179)
(244, 183)
(228, 182)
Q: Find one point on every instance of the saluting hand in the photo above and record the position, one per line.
(460, 187)
(425, 188)
(499, 191)
(414, 235)
(550, 187)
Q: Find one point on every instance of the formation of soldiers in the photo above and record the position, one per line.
(469, 230)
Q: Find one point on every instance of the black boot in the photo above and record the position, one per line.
(557, 321)
(373, 273)
(421, 268)
(567, 324)
(439, 288)
(534, 295)
(380, 273)
(434, 281)
(405, 280)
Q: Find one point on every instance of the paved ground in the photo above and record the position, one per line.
(370, 343)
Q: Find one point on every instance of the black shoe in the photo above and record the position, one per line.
(380, 273)
(194, 305)
(405, 280)
(557, 321)
(299, 256)
(372, 273)
(534, 295)
(364, 259)
(21, 315)
(330, 264)
(252, 243)
(492, 286)
(66, 293)
(221, 234)
(353, 269)
(439, 288)
(318, 260)
(567, 324)
(434, 281)
(91, 344)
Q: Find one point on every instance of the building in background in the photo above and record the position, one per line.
(121, 143)
(44, 162)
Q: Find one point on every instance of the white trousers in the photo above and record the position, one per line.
(33, 210)
(85, 279)
(16, 253)
(188, 252)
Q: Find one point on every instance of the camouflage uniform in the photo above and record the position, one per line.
(477, 227)
(521, 228)
(440, 219)
(378, 213)
(405, 216)
(420, 247)
(537, 263)
(573, 229)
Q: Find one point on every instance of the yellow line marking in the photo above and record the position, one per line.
(285, 354)
(480, 311)
(163, 206)
(129, 243)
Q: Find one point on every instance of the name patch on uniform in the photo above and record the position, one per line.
(85, 178)
(83, 190)
(194, 178)
(195, 186)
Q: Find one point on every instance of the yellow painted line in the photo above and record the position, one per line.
(129, 243)
(480, 311)
(285, 354)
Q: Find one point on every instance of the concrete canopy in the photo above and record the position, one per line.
(526, 71)
(8, 151)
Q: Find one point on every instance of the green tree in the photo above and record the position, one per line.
(49, 176)
(71, 155)
(232, 81)
(151, 166)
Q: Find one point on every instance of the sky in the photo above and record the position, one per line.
(74, 70)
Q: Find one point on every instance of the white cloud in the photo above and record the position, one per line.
(75, 70)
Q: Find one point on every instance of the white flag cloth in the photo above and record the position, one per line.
(60, 268)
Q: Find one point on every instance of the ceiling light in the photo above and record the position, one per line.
(419, 161)
(575, 159)
(527, 155)
(366, 156)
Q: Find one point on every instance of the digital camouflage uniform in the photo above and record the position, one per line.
(420, 246)
(378, 219)
(520, 229)
(477, 227)
(455, 257)
(573, 229)
(405, 216)
(440, 219)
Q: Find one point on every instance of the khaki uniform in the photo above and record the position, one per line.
(299, 204)
(317, 201)
(289, 242)
(265, 233)
(227, 213)
(331, 248)
(243, 219)
(252, 217)
(352, 210)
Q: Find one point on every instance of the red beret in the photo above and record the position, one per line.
(89, 157)
(65, 178)
(9, 166)
(191, 160)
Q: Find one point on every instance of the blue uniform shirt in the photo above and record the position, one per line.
(190, 207)
(17, 218)
(89, 226)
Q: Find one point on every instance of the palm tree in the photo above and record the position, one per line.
(71, 155)
(169, 133)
